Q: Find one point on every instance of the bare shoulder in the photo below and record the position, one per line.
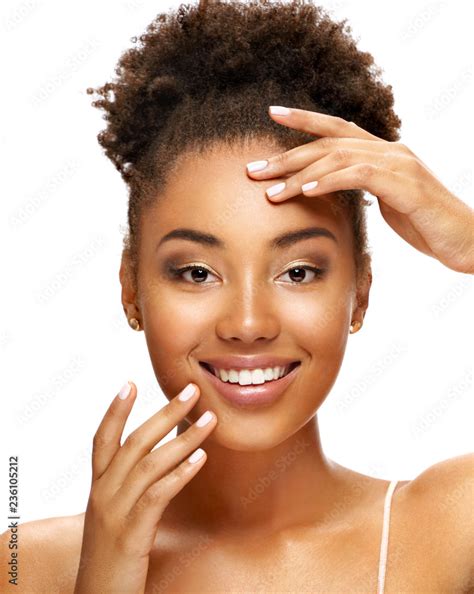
(448, 488)
(48, 555)
(441, 498)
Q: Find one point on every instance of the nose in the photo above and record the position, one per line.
(248, 315)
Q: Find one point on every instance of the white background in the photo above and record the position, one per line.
(403, 399)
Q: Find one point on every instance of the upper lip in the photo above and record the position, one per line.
(248, 362)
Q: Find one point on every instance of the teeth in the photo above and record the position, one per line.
(247, 377)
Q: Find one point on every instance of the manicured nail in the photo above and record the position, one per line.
(197, 455)
(124, 391)
(309, 186)
(276, 189)
(279, 110)
(256, 166)
(187, 393)
(204, 419)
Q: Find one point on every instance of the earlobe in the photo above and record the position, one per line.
(128, 293)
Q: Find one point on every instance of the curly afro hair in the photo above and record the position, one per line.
(205, 74)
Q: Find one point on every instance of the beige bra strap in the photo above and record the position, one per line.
(385, 533)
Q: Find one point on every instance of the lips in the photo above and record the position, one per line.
(253, 395)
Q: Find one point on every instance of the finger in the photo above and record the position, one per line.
(144, 438)
(321, 124)
(149, 508)
(395, 189)
(106, 441)
(302, 156)
(161, 461)
(333, 161)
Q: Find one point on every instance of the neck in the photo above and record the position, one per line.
(262, 491)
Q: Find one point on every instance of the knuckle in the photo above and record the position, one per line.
(365, 171)
(133, 441)
(169, 411)
(188, 437)
(95, 501)
(154, 495)
(99, 442)
(341, 156)
(400, 147)
(147, 465)
(415, 166)
(326, 142)
(280, 161)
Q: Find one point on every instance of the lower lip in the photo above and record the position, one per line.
(252, 396)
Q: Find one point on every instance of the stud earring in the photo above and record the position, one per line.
(134, 323)
(355, 326)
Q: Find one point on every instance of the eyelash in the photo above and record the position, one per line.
(177, 273)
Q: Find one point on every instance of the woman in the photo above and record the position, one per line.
(246, 293)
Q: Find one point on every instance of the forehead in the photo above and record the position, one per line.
(211, 192)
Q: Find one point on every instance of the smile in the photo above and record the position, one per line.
(246, 377)
(244, 393)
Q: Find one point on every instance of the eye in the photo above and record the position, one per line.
(201, 271)
(300, 274)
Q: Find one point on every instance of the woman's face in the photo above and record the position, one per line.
(250, 302)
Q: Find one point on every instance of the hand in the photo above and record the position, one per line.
(131, 487)
(411, 199)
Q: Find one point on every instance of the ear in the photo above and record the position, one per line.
(362, 295)
(129, 290)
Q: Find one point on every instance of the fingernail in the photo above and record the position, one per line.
(124, 391)
(256, 166)
(309, 186)
(276, 189)
(279, 110)
(197, 455)
(205, 419)
(187, 393)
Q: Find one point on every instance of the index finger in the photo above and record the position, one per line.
(320, 124)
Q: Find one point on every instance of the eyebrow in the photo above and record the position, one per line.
(280, 241)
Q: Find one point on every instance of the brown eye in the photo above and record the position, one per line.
(198, 273)
(299, 274)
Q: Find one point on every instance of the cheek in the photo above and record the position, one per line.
(320, 323)
(320, 329)
(174, 327)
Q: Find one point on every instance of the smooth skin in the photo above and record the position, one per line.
(411, 198)
(266, 509)
(131, 486)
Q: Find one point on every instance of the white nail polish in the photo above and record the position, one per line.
(204, 419)
(279, 110)
(256, 166)
(197, 455)
(124, 391)
(276, 189)
(309, 186)
(187, 393)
